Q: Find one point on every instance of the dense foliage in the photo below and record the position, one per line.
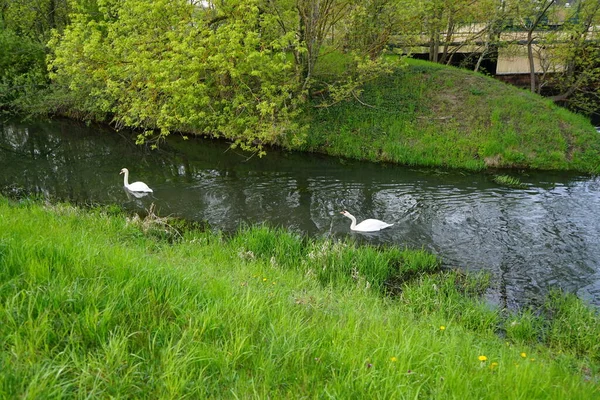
(171, 65)
(25, 27)
(22, 69)
(230, 70)
(246, 70)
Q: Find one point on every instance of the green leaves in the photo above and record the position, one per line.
(168, 65)
(235, 69)
(21, 69)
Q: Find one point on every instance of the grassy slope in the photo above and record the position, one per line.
(93, 305)
(429, 114)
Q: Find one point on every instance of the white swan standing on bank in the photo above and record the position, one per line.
(368, 225)
(135, 186)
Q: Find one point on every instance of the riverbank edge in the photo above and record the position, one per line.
(432, 115)
(67, 252)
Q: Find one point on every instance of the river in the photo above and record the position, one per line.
(530, 239)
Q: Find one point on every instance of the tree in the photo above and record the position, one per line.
(574, 57)
(360, 30)
(316, 19)
(24, 29)
(236, 69)
(440, 21)
(500, 13)
(532, 16)
(171, 65)
(34, 19)
(22, 71)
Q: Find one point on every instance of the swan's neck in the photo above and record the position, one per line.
(353, 219)
(126, 178)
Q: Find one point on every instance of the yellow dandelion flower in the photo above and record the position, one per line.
(273, 283)
(524, 355)
(493, 365)
(393, 359)
(482, 358)
(442, 328)
(264, 279)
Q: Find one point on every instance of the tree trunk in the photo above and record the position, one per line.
(531, 61)
(448, 40)
(434, 47)
(482, 56)
(530, 31)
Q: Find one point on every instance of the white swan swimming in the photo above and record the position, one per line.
(135, 186)
(368, 225)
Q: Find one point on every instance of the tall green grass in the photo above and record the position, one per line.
(98, 305)
(333, 262)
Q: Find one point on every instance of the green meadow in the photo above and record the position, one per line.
(429, 114)
(95, 303)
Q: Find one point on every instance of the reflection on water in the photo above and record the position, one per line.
(530, 239)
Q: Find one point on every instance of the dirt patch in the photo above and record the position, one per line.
(493, 161)
(564, 128)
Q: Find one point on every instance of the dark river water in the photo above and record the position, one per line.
(543, 235)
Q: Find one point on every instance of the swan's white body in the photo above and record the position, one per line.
(135, 186)
(368, 225)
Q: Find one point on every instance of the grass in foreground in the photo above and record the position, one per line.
(98, 305)
(434, 115)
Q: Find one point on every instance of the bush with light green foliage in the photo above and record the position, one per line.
(171, 65)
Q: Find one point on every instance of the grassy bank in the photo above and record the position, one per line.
(430, 114)
(425, 114)
(95, 304)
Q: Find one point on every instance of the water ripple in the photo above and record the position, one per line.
(543, 235)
